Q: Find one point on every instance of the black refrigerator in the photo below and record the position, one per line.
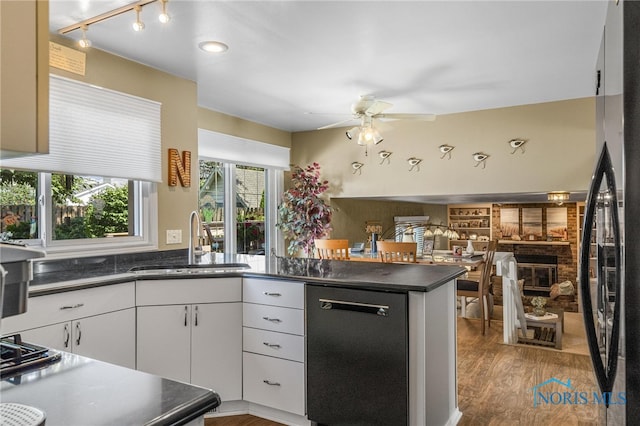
(610, 246)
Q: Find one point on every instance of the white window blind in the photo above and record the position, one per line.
(232, 149)
(98, 132)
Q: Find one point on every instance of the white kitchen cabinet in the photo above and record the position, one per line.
(95, 322)
(198, 341)
(273, 344)
(108, 337)
(274, 382)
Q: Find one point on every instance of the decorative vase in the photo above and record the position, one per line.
(470, 249)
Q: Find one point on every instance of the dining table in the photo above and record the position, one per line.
(437, 257)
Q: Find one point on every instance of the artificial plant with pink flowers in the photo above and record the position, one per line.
(303, 216)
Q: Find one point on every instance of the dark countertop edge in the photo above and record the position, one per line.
(367, 285)
(188, 411)
(99, 281)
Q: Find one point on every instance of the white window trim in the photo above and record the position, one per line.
(147, 241)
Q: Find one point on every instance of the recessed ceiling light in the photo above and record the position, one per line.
(213, 46)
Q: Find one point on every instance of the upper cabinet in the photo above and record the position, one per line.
(24, 81)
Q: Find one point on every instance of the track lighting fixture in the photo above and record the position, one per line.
(138, 25)
(84, 42)
(164, 16)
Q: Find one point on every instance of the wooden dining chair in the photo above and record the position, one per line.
(395, 252)
(332, 249)
(480, 288)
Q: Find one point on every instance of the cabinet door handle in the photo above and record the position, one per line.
(272, 319)
(186, 309)
(272, 345)
(266, 293)
(77, 305)
(78, 334)
(196, 318)
(67, 335)
(270, 383)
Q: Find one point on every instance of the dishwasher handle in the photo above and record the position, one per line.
(367, 308)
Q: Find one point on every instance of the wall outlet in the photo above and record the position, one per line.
(174, 236)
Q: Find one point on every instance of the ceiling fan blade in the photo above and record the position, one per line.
(337, 124)
(377, 107)
(400, 116)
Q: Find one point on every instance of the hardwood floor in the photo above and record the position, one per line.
(495, 382)
(243, 420)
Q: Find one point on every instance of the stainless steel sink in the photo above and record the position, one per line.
(189, 269)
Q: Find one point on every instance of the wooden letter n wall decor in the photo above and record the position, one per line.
(179, 168)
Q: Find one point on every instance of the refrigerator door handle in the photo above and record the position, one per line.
(604, 374)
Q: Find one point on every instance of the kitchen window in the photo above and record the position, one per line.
(70, 213)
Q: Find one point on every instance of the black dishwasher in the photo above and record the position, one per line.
(357, 356)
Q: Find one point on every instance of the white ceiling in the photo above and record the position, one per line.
(289, 58)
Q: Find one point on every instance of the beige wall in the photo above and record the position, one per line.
(350, 215)
(180, 120)
(230, 125)
(559, 155)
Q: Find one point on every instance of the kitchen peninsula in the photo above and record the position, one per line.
(431, 389)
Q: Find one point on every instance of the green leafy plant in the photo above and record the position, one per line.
(303, 216)
(107, 212)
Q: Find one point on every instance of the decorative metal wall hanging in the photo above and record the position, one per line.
(480, 158)
(414, 163)
(385, 156)
(446, 151)
(517, 144)
(357, 167)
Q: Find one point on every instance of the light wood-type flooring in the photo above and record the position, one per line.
(495, 382)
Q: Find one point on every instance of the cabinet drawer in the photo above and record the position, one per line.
(273, 292)
(270, 343)
(274, 318)
(188, 291)
(274, 382)
(70, 305)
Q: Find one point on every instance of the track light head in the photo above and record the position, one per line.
(138, 25)
(164, 16)
(84, 42)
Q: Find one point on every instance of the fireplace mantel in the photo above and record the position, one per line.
(536, 243)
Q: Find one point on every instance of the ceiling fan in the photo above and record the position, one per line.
(368, 109)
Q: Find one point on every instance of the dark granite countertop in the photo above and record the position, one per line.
(52, 276)
(79, 391)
